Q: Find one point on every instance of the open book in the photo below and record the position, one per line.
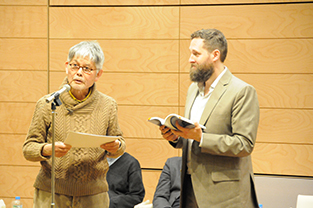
(170, 122)
(78, 139)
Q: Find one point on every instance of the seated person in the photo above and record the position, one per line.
(125, 181)
(167, 193)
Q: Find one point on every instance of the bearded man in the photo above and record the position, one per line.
(216, 162)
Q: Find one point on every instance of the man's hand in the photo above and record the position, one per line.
(60, 149)
(167, 133)
(194, 133)
(111, 147)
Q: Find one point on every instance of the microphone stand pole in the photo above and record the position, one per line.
(54, 103)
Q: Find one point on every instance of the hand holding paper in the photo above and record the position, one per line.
(60, 149)
(111, 147)
(77, 139)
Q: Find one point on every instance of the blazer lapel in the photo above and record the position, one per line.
(217, 93)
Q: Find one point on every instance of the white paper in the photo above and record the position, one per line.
(78, 139)
(2, 204)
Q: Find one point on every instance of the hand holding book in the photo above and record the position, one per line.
(170, 122)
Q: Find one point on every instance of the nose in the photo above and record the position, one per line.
(80, 71)
(191, 59)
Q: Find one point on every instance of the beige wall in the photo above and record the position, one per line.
(146, 70)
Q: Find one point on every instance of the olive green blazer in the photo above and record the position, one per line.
(221, 167)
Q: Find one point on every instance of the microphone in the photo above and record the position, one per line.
(58, 93)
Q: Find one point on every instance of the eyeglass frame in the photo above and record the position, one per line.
(78, 67)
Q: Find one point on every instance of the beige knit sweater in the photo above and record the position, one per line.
(82, 171)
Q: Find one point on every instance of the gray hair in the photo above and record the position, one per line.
(213, 39)
(90, 49)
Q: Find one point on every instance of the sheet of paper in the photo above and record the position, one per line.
(77, 139)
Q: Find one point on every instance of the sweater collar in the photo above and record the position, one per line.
(71, 101)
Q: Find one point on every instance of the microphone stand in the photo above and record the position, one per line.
(56, 102)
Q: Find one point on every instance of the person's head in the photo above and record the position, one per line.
(84, 65)
(90, 49)
(208, 48)
(213, 39)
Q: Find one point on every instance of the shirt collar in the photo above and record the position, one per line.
(213, 85)
(82, 99)
(112, 160)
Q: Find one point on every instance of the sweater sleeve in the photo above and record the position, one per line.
(115, 130)
(37, 133)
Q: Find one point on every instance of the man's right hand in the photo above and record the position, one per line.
(60, 149)
(168, 134)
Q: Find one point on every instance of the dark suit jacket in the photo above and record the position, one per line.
(124, 177)
(168, 188)
(221, 168)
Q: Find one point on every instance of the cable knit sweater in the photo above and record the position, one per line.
(82, 171)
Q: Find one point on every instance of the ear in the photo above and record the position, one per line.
(216, 55)
(98, 75)
(66, 65)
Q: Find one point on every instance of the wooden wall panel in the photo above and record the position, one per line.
(17, 181)
(286, 126)
(209, 2)
(181, 110)
(23, 2)
(23, 21)
(184, 83)
(250, 21)
(15, 117)
(152, 153)
(11, 151)
(23, 54)
(150, 180)
(114, 22)
(23, 78)
(271, 56)
(141, 89)
(133, 88)
(262, 56)
(28, 86)
(162, 2)
(134, 120)
(114, 2)
(283, 159)
(282, 90)
(124, 55)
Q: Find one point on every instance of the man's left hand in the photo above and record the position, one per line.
(194, 133)
(111, 147)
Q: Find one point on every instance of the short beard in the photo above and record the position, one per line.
(202, 73)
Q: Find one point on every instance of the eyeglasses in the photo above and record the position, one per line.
(76, 67)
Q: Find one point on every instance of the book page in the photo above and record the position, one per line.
(182, 121)
(156, 120)
(77, 139)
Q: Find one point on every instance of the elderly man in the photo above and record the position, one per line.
(80, 173)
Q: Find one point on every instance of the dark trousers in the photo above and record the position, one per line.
(190, 200)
